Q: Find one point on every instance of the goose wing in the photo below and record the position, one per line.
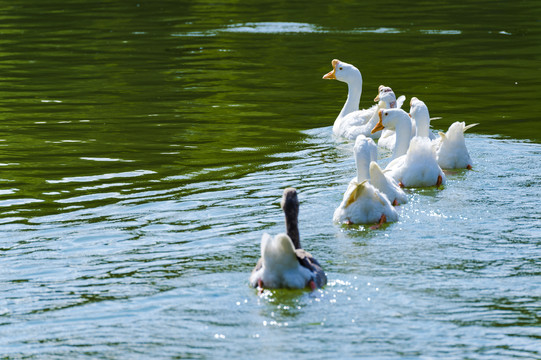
(308, 261)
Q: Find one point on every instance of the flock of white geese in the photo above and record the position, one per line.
(417, 160)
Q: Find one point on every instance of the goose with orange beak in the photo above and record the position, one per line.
(414, 162)
(388, 137)
(350, 116)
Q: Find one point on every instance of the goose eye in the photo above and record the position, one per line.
(340, 68)
(386, 113)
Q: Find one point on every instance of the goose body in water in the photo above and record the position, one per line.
(351, 121)
(417, 113)
(450, 147)
(365, 151)
(451, 150)
(363, 203)
(283, 263)
(414, 162)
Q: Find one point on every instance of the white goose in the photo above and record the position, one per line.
(451, 151)
(388, 136)
(350, 115)
(283, 263)
(414, 161)
(365, 151)
(363, 203)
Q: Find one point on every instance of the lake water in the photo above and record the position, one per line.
(145, 147)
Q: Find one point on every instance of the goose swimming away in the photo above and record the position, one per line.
(451, 151)
(420, 116)
(350, 115)
(363, 203)
(414, 162)
(283, 263)
(365, 152)
(388, 136)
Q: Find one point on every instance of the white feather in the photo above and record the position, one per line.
(281, 268)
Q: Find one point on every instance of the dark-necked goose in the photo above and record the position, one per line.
(283, 263)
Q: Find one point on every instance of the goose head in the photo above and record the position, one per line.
(382, 89)
(290, 203)
(392, 119)
(387, 96)
(415, 102)
(419, 110)
(344, 72)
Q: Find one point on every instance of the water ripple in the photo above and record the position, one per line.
(305, 28)
(93, 178)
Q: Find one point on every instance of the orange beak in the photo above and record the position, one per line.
(376, 99)
(331, 75)
(379, 126)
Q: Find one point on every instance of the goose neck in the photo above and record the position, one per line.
(353, 99)
(292, 227)
(375, 116)
(422, 124)
(403, 137)
(362, 161)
